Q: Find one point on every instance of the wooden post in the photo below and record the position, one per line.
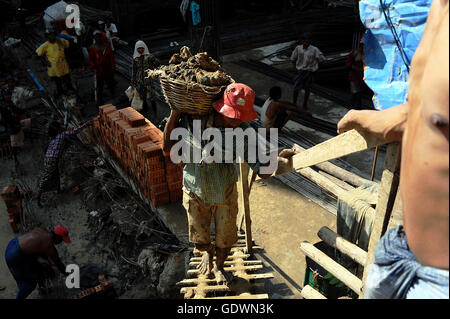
(386, 199)
(374, 165)
(244, 196)
(397, 212)
(351, 250)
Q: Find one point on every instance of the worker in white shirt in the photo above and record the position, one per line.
(111, 28)
(102, 27)
(305, 58)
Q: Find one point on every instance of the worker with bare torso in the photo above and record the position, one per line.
(418, 250)
(22, 253)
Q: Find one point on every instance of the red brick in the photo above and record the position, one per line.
(162, 199)
(155, 166)
(10, 191)
(176, 186)
(13, 225)
(105, 109)
(13, 203)
(150, 150)
(111, 118)
(157, 177)
(159, 189)
(139, 139)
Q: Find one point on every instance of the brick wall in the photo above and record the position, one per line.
(136, 145)
(13, 201)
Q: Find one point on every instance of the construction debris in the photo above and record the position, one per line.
(200, 68)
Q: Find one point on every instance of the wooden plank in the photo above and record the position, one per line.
(337, 171)
(337, 181)
(231, 257)
(234, 249)
(344, 246)
(333, 188)
(197, 281)
(309, 292)
(230, 269)
(342, 145)
(229, 263)
(386, 199)
(215, 288)
(397, 212)
(338, 271)
(244, 194)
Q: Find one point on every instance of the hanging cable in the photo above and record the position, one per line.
(396, 37)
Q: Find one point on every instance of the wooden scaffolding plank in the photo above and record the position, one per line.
(344, 246)
(338, 271)
(386, 199)
(231, 257)
(309, 292)
(234, 249)
(231, 262)
(232, 269)
(342, 145)
(197, 281)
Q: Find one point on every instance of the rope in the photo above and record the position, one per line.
(207, 29)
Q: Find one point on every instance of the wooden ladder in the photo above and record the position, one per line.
(243, 285)
(387, 214)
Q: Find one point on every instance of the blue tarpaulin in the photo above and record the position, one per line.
(394, 30)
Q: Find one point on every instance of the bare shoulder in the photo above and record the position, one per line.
(42, 236)
(435, 81)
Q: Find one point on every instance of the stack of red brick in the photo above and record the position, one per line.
(13, 201)
(136, 145)
(104, 290)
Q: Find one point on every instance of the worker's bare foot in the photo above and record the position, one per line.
(206, 265)
(222, 277)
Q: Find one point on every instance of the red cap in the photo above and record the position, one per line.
(63, 232)
(237, 103)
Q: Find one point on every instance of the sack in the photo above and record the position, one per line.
(130, 93)
(137, 103)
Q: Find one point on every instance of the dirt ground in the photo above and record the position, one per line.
(281, 220)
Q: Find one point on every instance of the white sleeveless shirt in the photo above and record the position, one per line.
(266, 122)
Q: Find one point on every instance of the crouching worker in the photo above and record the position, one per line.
(210, 184)
(50, 177)
(276, 113)
(22, 253)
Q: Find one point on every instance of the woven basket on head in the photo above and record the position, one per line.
(191, 98)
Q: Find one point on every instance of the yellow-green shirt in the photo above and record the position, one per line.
(56, 57)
